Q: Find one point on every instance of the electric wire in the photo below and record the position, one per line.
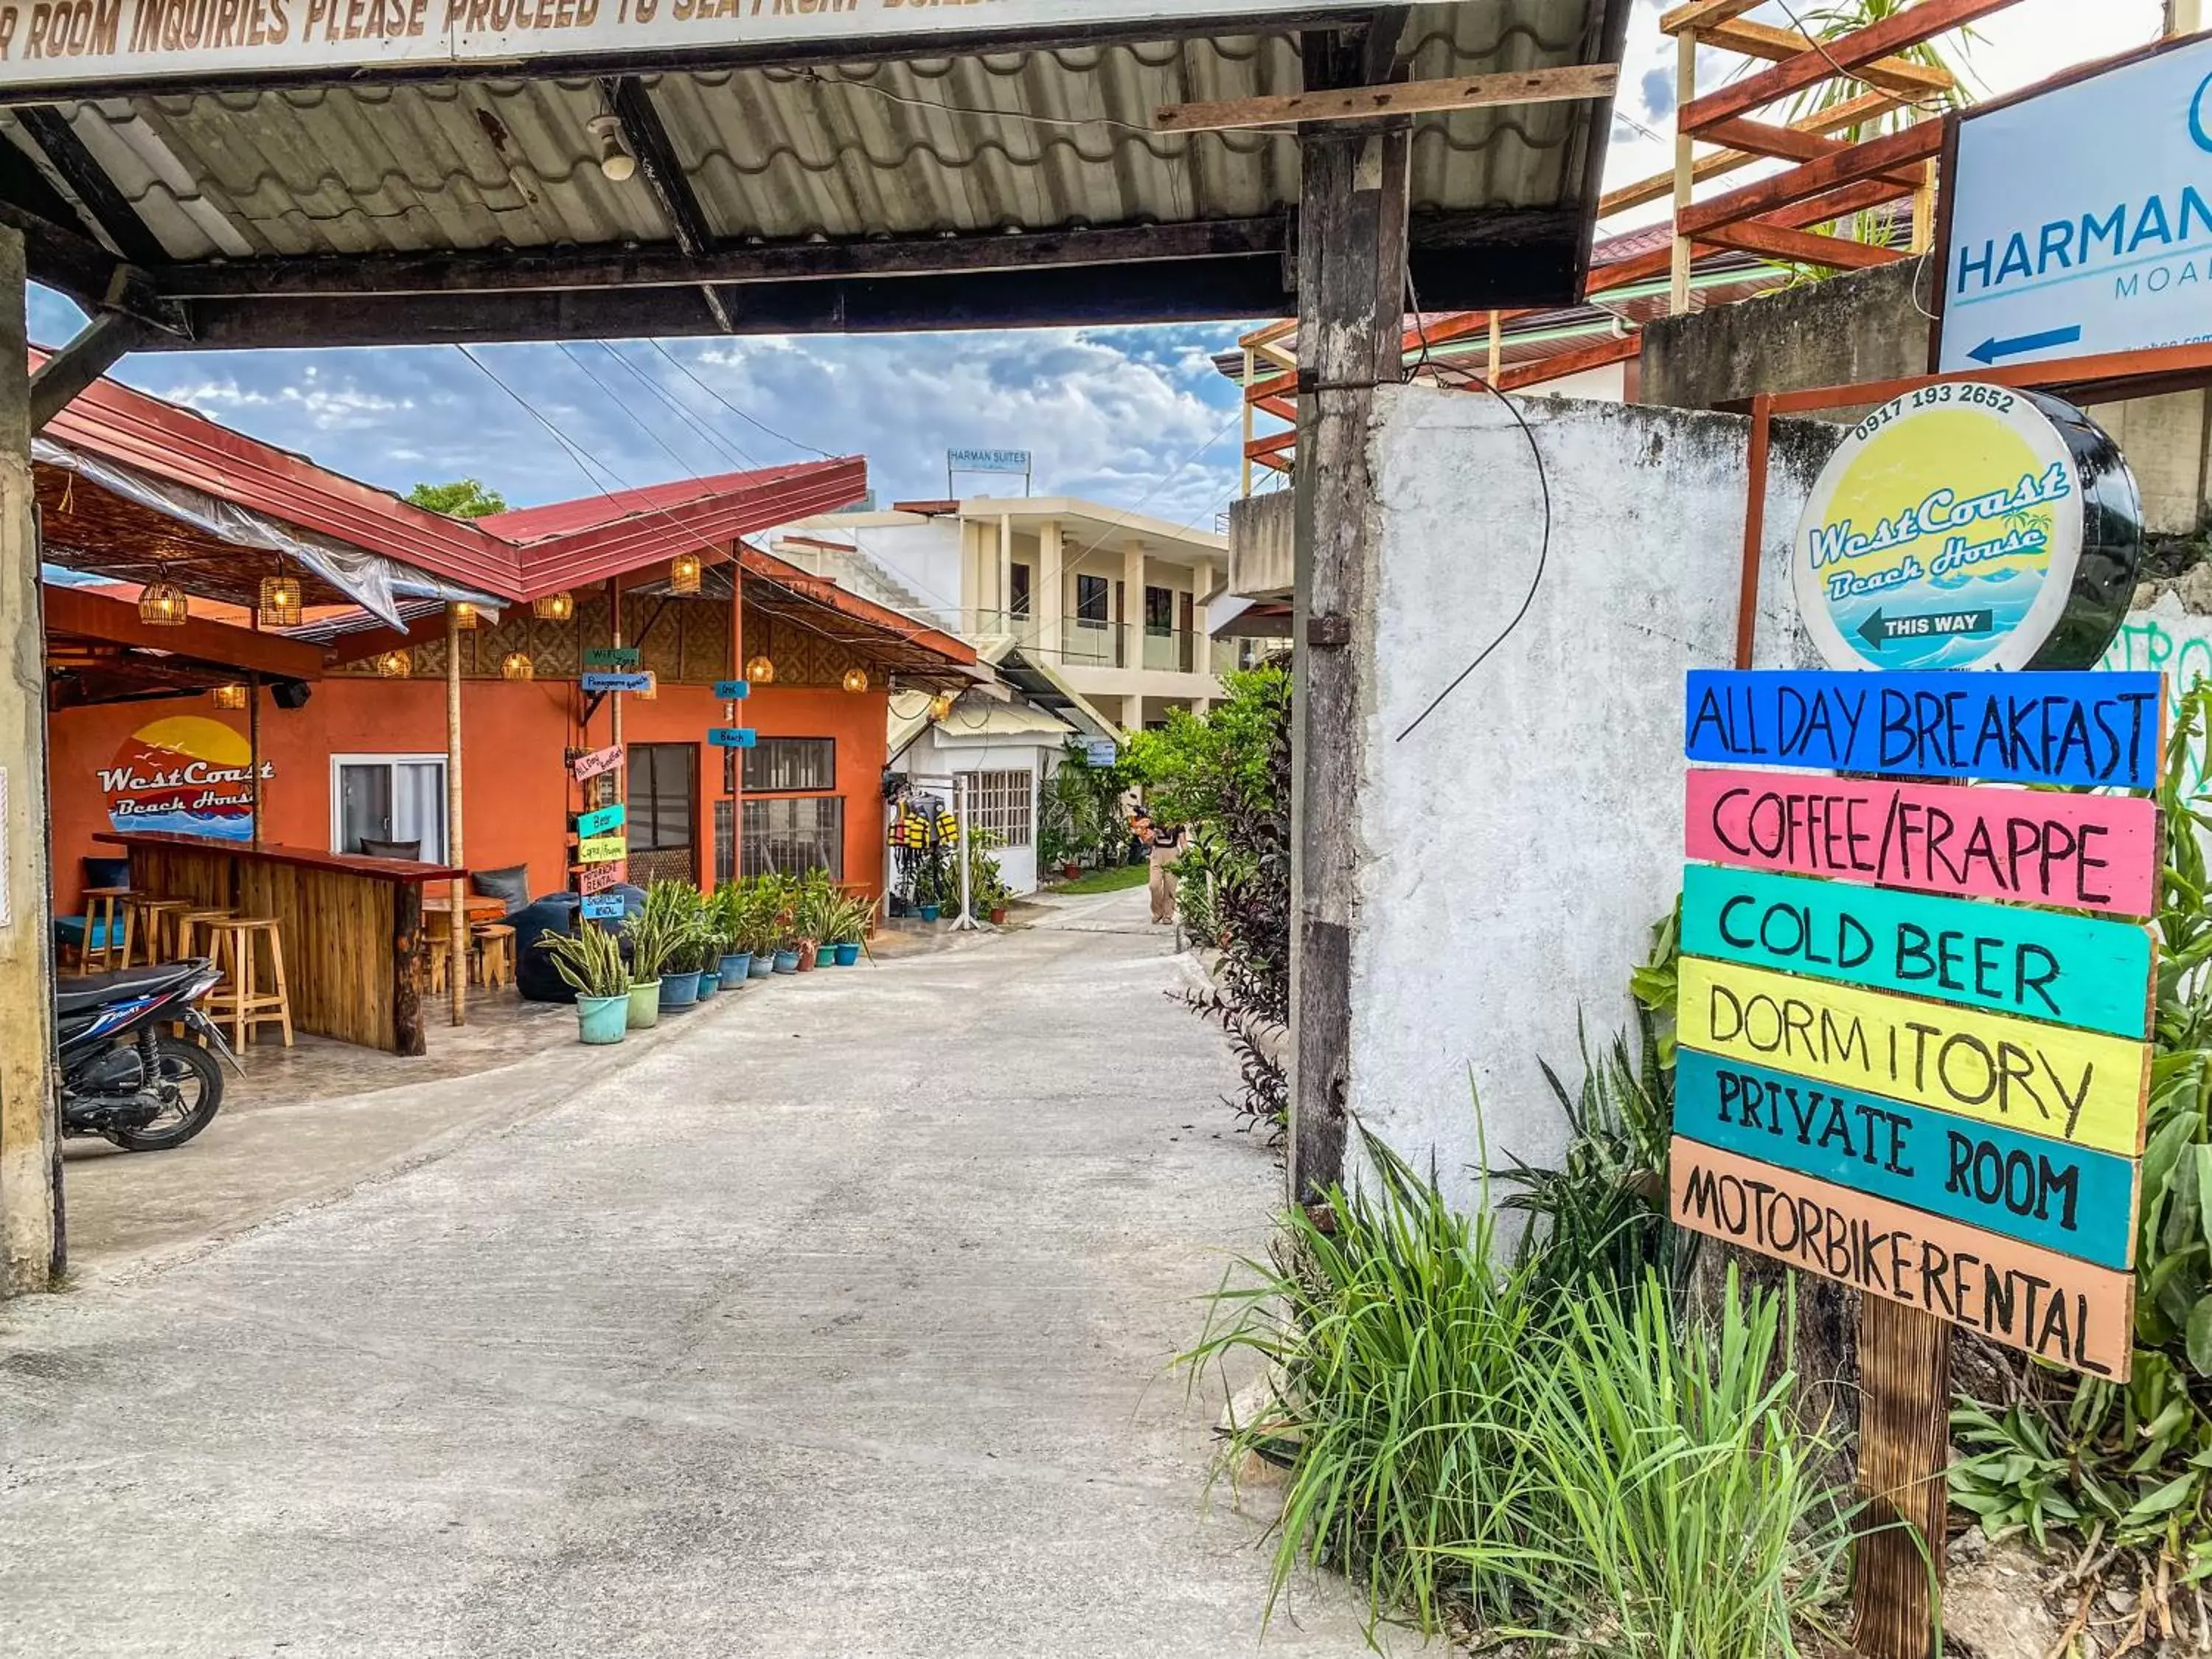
(1543, 547)
(681, 368)
(729, 447)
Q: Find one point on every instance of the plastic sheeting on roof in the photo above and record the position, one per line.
(372, 581)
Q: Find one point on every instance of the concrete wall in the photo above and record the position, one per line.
(1518, 846)
(1873, 325)
(1263, 545)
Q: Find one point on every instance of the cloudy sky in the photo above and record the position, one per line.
(1135, 417)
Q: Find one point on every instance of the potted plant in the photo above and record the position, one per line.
(731, 931)
(654, 932)
(987, 884)
(849, 929)
(679, 977)
(815, 916)
(590, 963)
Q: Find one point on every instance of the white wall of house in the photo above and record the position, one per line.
(1515, 851)
(940, 753)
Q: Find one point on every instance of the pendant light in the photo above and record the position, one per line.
(280, 601)
(517, 665)
(230, 696)
(683, 574)
(164, 604)
(463, 615)
(760, 670)
(940, 705)
(856, 679)
(394, 665)
(553, 607)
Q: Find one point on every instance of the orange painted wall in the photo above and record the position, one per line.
(516, 793)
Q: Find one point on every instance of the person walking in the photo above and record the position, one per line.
(1166, 847)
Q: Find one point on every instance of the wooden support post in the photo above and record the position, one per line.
(1904, 1444)
(1244, 479)
(1686, 169)
(253, 745)
(1351, 289)
(737, 671)
(457, 959)
(1496, 347)
(31, 1238)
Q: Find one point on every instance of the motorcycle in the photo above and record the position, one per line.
(125, 1076)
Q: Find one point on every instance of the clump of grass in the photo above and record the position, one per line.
(1481, 1453)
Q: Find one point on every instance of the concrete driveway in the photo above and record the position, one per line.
(836, 1328)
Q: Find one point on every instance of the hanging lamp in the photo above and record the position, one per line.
(164, 604)
(940, 705)
(394, 665)
(683, 574)
(553, 607)
(230, 696)
(760, 670)
(856, 679)
(517, 665)
(464, 614)
(280, 601)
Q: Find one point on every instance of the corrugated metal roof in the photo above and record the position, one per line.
(1030, 140)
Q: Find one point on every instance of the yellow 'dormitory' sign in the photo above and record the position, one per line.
(2085, 1087)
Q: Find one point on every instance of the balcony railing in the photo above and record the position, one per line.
(1234, 655)
(1080, 642)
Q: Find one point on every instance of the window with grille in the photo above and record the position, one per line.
(999, 802)
(795, 836)
(774, 765)
(663, 783)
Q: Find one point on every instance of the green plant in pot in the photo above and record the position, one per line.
(590, 963)
(732, 934)
(988, 891)
(655, 935)
(814, 916)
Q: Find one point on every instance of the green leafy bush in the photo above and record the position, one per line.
(1481, 1452)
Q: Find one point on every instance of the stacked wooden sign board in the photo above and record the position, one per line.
(1931, 1088)
(1916, 984)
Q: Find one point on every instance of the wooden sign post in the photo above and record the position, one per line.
(1888, 1079)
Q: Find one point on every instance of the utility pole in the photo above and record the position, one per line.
(30, 1162)
(1351, 302)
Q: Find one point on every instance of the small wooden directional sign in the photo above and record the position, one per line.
(611, 656)
(730, 737)
(600, 822)
(602, 908)
(617, 681)
(598, 878)
(602, 849)
(589, 766)
(732, 691)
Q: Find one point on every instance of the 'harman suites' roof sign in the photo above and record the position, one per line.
(59, 40)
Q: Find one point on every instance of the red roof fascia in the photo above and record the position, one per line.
(766, 567)
(620, 544)
(112, 420)
(536, 523)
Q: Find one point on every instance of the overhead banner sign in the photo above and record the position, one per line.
(1963, 525)
(110, 42)
(1927, 1097)
(2080, 219)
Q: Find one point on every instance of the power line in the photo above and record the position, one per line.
(782, 437)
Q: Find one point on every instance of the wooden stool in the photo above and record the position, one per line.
(495, 955)
(188, 922)
(107, 919)
(239, 1000)
(148, 923)
(437, 946)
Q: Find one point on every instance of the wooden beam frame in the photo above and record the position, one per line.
(1598, 354)
(95, 617)
(89, 274)
(1845, 55)
(89, 354)
(1866, 107)
(1804, 246)
(103, 204)
(632, 106)
(1917, 142)
(1572, 83)
(1777, 46)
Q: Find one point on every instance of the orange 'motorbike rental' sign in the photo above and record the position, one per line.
(117, 41)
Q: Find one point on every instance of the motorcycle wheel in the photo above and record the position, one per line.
(191, 1088)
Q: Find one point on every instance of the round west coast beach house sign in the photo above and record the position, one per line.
(1968, 526)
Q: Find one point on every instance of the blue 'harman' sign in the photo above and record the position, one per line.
(2030, 727)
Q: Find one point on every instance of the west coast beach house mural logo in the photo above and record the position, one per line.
(187, 775)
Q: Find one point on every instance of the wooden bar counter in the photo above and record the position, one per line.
(350, 926)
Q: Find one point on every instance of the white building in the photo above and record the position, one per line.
(1099, 609)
